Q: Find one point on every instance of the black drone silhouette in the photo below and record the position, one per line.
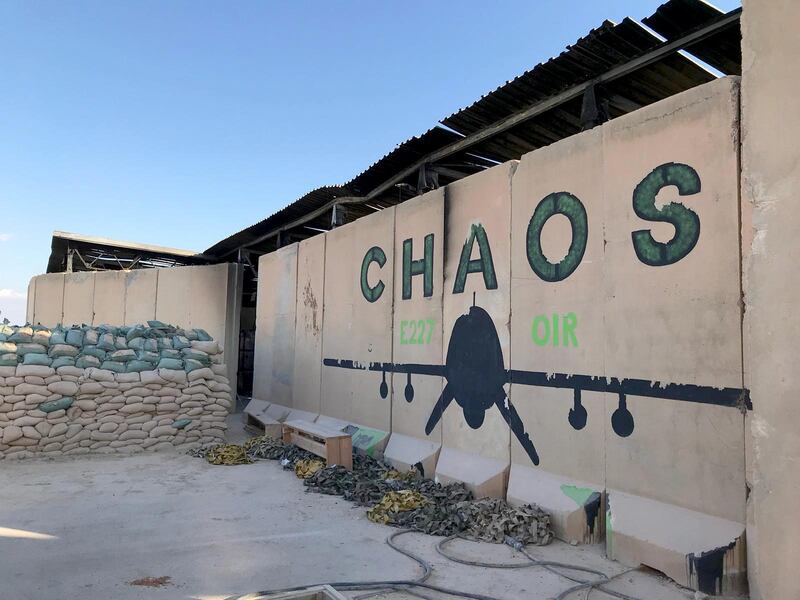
(475, 376)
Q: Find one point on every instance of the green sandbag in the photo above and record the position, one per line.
(173, 364)
(39, 360)
(95, 351)
(6, 330)
(164, 343)
(111, 365)
(8, 348)
(197, 355)
(106, 342)
(137, 366)
(181, 423)
(30, 348)
(57, 336)
(136, 343)
(54, 405)
(192, 365)
(62, 350)
(85, 361)
(120, 342)
(63, 361)
(23, 335)
(134, 332)
(75, 337)
(180, 342)
(190, 334)
(123, 355)
(158, 325)
(167, 353)
(10, 360)
(147, 356)
(91, 337)
(202, 335)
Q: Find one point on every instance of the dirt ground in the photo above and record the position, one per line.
(166, 525)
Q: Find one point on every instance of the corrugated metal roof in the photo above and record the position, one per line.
(676, 17)
(604, 48)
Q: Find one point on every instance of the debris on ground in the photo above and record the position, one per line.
(228, 454)
(153, 582)
(405, 500)
(393, 503)
(493, 519)
(306, 467)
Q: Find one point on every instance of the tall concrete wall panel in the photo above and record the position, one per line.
(770, 181)
(29, 307)
(557, 326)
(141, 291)
(174, 297)
(476, 312)
(79, 298)
(109, 297)
(48, 307)
(307, 377)
(358, 320)
(275, 326)
(676, 322)
(417, 329)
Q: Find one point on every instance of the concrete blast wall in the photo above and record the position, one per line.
(201, 296)
(770, 181)
(565, 330)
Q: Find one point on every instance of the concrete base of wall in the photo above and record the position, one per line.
(404, 452)
(337, 424)
(696, 550)
(256, 408)
(255, 415)
(371, 442)
(296, 414)
(577, 509)
(278, 412)
(484, 477)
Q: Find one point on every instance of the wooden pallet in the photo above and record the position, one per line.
(336, 447)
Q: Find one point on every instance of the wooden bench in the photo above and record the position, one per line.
(336, 447)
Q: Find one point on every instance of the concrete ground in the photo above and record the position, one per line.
(87, 527)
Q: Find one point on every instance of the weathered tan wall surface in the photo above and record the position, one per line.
(581, 341)
(355, 328)
(273, 363)
(307, 375)
(202, 296)
(770, 184)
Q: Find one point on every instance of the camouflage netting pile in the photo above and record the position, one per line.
(403, 500)
(81, 389)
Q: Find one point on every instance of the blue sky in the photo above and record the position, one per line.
(180, 122)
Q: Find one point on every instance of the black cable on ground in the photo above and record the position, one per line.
(401, 584)
(547, 564)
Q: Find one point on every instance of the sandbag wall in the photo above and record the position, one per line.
(563, 330)
(81, 389)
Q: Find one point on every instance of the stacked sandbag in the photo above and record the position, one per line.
(105, 389)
